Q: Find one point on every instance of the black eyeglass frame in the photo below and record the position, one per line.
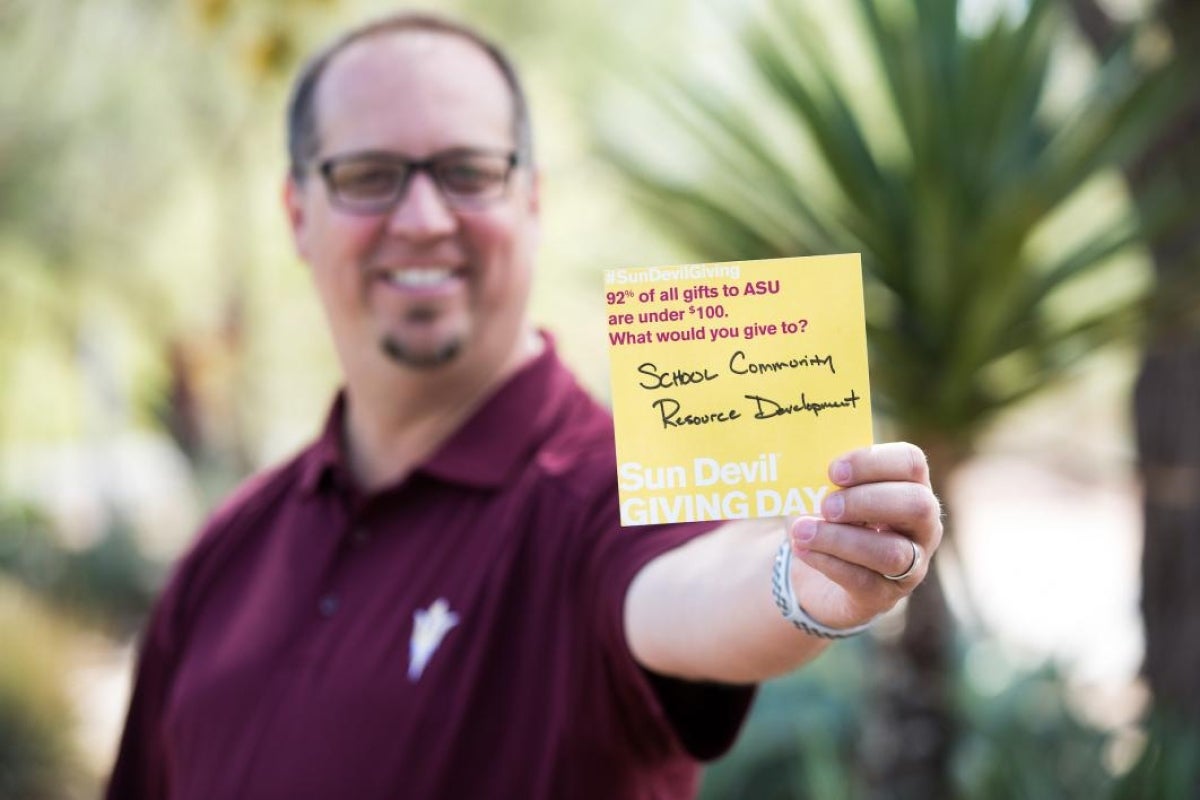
(411, 167)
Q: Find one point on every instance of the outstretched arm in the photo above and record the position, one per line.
(705, 611)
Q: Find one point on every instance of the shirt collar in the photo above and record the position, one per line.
(485, 450)
(325, 463)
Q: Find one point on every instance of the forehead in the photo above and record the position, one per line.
(413, 91)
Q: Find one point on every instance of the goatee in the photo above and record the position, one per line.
(398, 353)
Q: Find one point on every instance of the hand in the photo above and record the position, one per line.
(884, 506)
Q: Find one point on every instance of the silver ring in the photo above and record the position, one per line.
(916, 562)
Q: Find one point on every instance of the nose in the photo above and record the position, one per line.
(422, 212)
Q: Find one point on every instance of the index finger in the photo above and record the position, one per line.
(892, 461)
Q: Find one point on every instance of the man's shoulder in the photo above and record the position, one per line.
(256, 495)
(234, 521)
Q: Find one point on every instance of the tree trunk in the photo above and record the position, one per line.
(1167, 400)
(1167, 410)
(1167, 403)
(910, 729)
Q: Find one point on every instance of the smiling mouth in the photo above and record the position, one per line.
(419, 277)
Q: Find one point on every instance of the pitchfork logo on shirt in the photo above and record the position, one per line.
(430, 626)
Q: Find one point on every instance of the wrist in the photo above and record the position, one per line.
(790, 608)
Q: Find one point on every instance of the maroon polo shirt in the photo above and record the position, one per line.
(458, 635)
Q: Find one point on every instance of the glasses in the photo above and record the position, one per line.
(373, 183)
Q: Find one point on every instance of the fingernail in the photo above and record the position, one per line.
(840, 472)
(804, 531)
(834, 506)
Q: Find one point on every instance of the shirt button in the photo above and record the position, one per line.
(328, 605)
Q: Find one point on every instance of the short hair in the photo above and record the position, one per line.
(302, 134)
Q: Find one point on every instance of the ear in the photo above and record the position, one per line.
(293, 205)
(535, 192)
(533, 206)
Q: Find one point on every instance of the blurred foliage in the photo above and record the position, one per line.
(1022, 740)
(37, 761)
(108, 584)
(799, 741)
(1025, 741)
(939, 156)
(91, 150)
(1169, 769)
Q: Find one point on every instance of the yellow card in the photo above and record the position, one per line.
(735, 384)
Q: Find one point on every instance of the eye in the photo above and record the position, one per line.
(365, 179)
(472, 175)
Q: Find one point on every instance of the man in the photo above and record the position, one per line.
(435, 599)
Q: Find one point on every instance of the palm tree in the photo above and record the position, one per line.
(942, 173)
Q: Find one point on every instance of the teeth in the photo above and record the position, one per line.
(419, 277)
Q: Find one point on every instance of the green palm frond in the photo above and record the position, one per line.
(944, 201)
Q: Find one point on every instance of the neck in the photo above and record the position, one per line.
(396, 417)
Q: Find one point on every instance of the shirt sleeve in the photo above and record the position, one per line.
(703, 717)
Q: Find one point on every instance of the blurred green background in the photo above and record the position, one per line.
(1018, 174)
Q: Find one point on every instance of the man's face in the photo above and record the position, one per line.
(423, 283)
